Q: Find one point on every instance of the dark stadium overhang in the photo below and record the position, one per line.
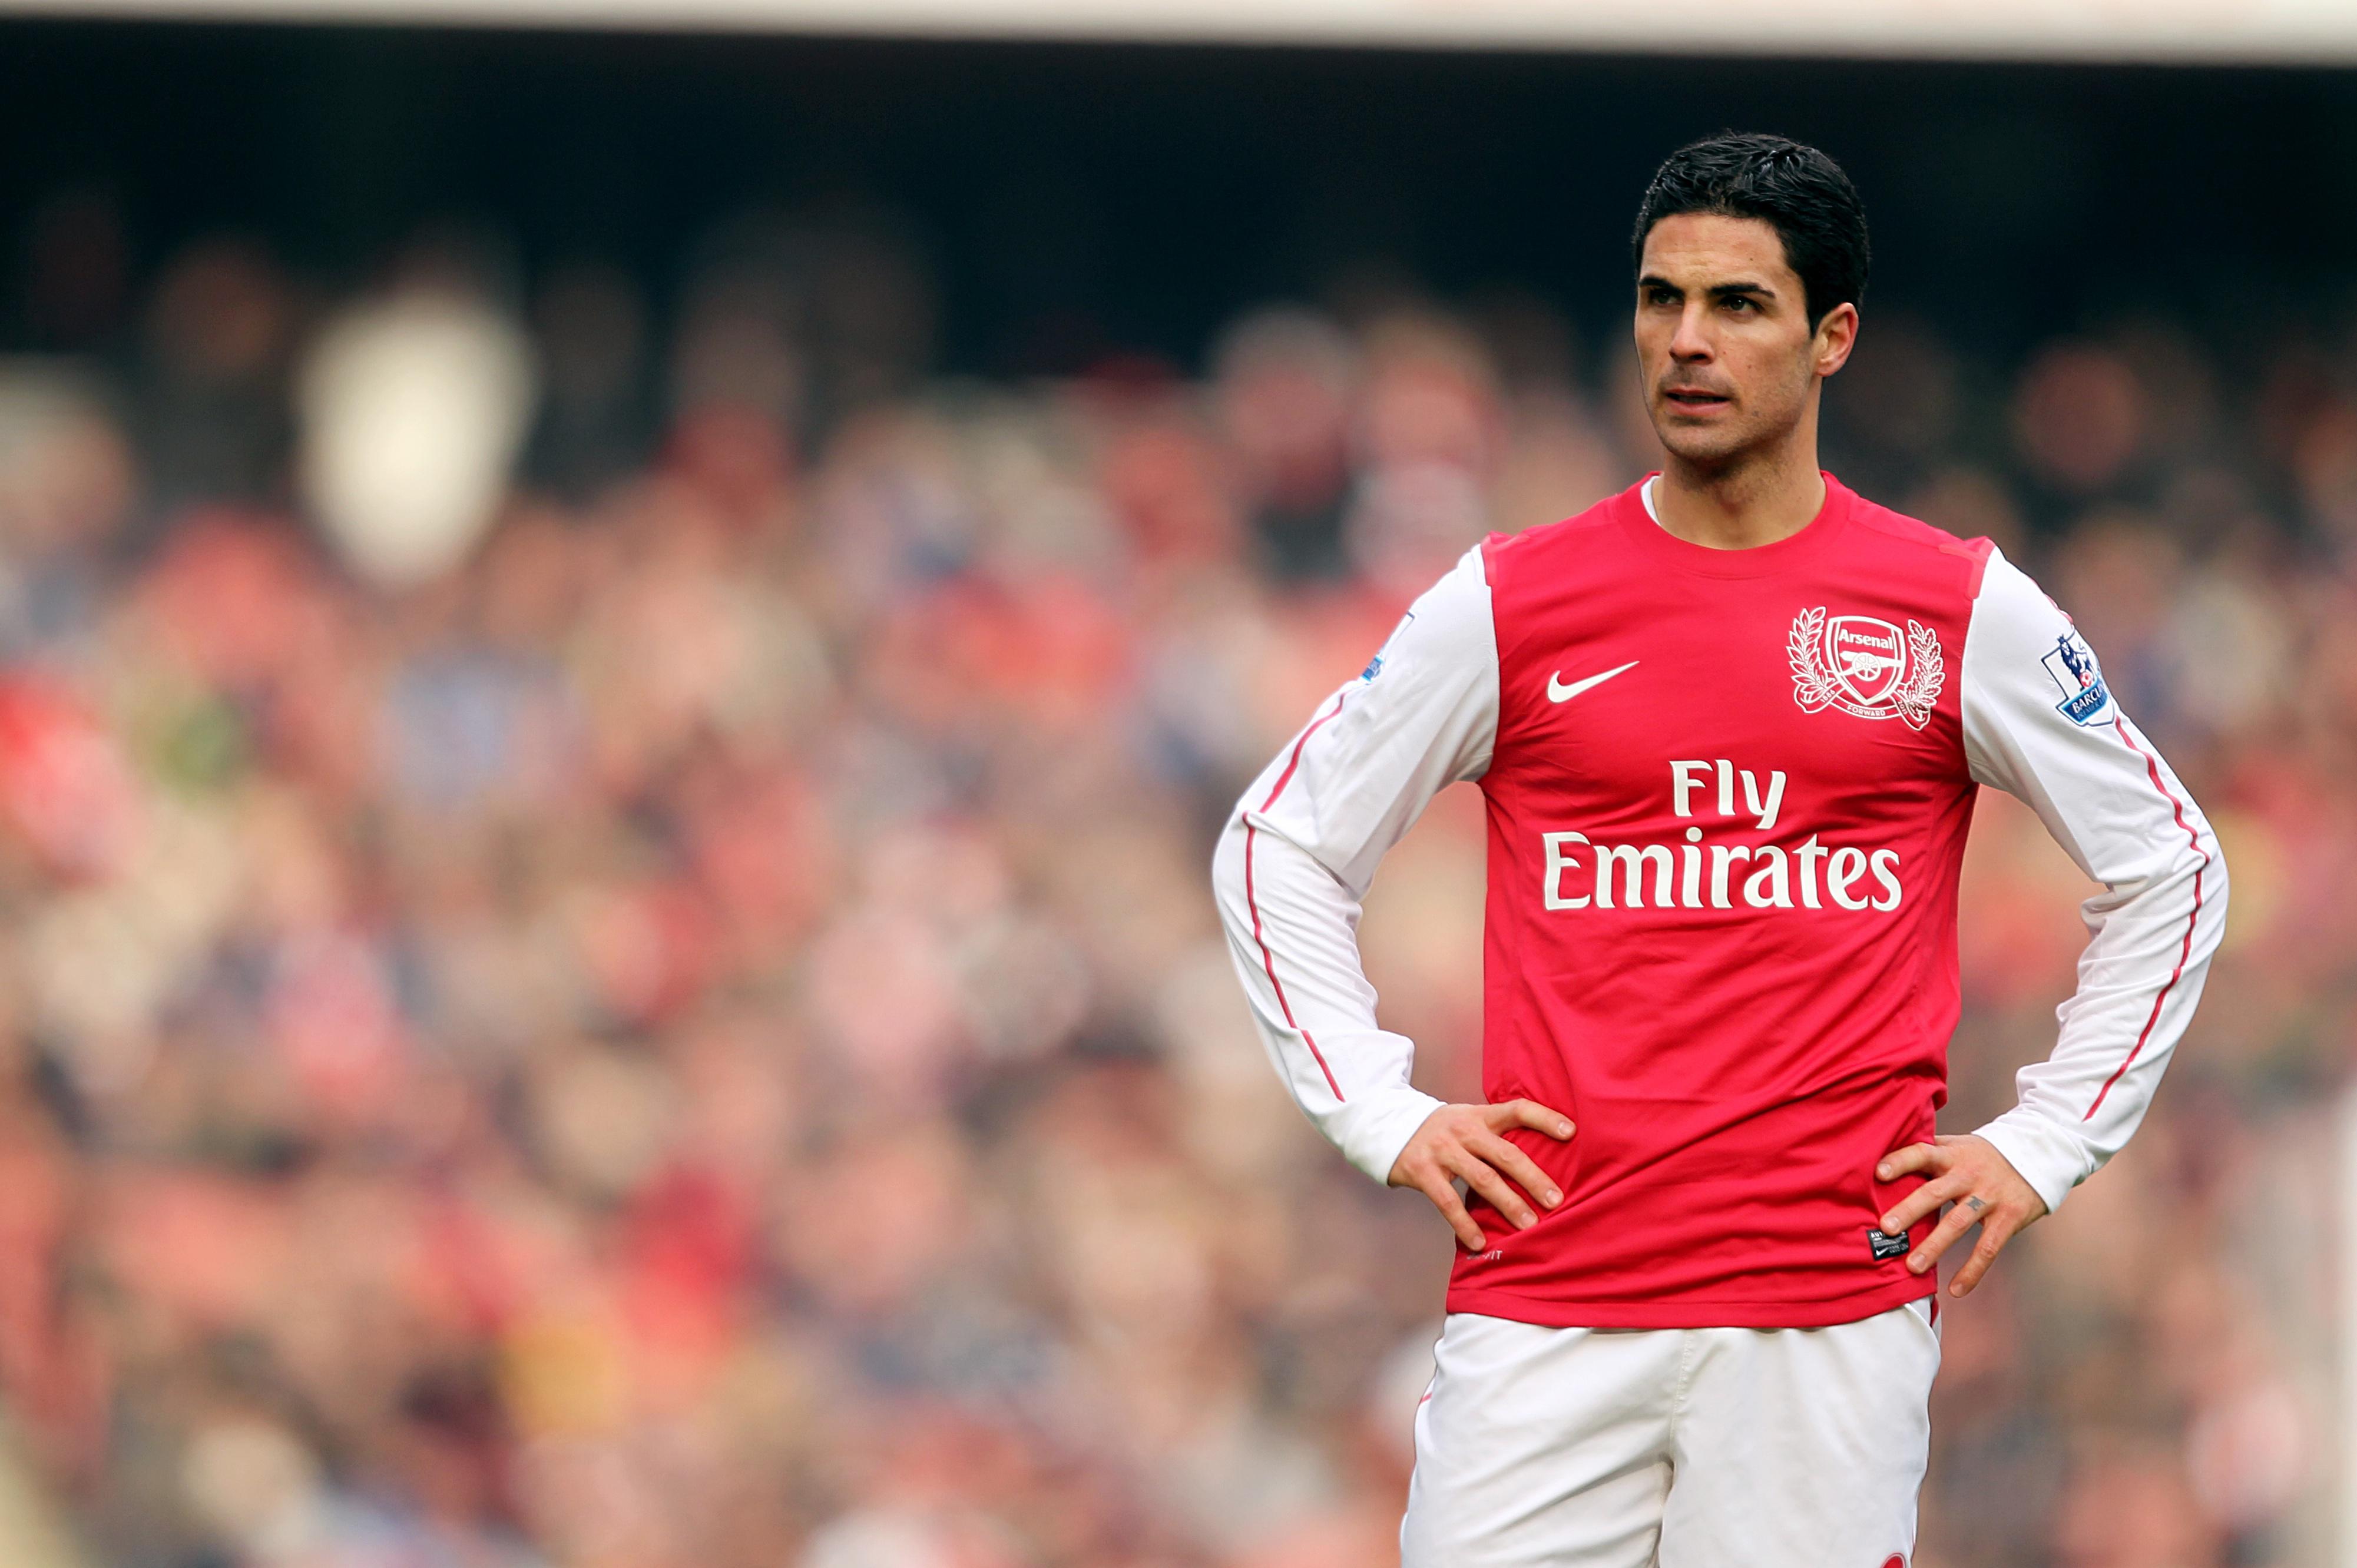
(2286, 32)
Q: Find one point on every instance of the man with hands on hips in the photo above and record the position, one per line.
(1728, 726)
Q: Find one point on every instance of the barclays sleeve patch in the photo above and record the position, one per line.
(2073, 666)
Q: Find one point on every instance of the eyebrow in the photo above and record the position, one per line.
(1716, 291)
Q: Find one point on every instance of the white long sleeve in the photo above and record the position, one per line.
(1301, 848)
(2039, 725)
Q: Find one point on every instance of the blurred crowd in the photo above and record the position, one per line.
(608, 960)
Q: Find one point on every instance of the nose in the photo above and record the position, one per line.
(1689, 345)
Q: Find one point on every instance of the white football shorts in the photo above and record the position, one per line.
(1541, 1447)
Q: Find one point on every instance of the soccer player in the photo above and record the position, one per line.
(1728, 724)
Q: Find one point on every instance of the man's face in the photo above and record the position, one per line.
(1724, 344)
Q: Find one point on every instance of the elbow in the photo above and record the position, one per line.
(2195, 865)
(1228, 868)
(2216, 884)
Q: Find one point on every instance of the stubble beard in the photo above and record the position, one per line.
(1711, 452)
(1715, 453)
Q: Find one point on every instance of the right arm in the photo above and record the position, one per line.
(1297, 858)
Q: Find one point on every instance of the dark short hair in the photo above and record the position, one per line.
(1798, 190)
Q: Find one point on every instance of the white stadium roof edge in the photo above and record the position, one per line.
(2276, 32)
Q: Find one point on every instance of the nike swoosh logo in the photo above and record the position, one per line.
(1559, 693)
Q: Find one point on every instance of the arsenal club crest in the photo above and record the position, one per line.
(1865, 666)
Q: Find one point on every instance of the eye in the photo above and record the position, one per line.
(1739, 304)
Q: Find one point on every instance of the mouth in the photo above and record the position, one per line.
(1695, 400)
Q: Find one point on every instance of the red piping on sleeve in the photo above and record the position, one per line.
(2152, 767)
(1295, 761)
(1267, 959)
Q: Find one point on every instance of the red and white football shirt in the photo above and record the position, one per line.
(1728, 795)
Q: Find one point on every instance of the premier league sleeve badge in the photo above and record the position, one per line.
(2080, 681)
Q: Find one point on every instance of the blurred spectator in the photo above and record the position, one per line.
(220, 323)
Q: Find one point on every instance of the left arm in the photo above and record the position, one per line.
(2039, 725)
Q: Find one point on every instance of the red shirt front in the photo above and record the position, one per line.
(1721, 929)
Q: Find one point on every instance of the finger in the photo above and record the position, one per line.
(1997, 1229)
(1529, 1114)
(1913, 1157)
(1481, 1181)
(1517, 1166)
(1491, 1186)
(1960, 1220)
(1925, 1200)
(1452, 1209)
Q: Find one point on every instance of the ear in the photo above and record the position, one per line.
(1836, 336)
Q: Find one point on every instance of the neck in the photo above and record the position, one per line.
(1756, 499)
